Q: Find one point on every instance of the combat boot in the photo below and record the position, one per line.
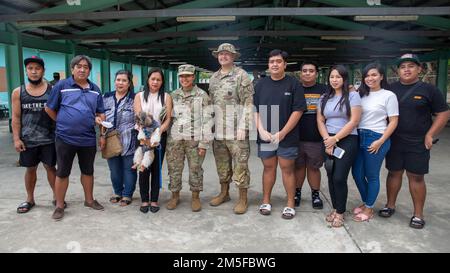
(223, 196)
(241, 205)
(174, 200)
(196, 205)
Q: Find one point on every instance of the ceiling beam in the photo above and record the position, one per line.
(249, 33)
(165, 13)
(128, 24)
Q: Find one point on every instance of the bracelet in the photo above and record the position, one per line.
(337, 139)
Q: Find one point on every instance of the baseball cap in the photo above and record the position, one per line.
(408, 57)
(33, 59)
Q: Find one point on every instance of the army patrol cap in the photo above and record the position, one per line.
(226, 47)
(186, 69)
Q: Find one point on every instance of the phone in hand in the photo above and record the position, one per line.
(338, 152)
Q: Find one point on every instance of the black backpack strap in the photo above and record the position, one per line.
(409, 92)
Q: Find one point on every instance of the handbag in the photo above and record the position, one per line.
(113, 145)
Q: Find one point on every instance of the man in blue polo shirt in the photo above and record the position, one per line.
(75, 103)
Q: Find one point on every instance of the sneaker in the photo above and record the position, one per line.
(58, 214)
(94, 205)
(298, 197)
(316, 201)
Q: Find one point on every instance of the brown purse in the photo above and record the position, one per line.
(113, 145)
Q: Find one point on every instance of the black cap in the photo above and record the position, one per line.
(408, 57)
(34, 59)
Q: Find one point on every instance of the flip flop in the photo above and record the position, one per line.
(25, 207)
(265, 209)
(288, 213)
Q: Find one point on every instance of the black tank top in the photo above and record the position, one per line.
(37, 127)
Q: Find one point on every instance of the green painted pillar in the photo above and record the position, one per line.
(69, 58)
(167, 73)
(144, 74)
(442, 79)
(197, 76)
(14, 63)
(129, 66)
(105, 72)
(351, 74)
(175, 79)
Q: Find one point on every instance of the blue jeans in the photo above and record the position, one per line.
(123, 178)
(366, 168)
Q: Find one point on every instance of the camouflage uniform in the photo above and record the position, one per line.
(191, 129)
(232, 97)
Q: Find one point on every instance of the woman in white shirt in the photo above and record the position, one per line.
(154, 100)
(374, 130)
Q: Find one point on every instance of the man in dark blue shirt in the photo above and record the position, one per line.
(76, 104)
(279, 103)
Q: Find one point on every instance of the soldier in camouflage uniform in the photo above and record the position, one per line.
(188, 136)
(231, 91)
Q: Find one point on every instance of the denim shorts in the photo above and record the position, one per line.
(267, 150)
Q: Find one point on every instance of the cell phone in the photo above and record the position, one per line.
(338, 152)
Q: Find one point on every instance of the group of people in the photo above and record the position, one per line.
(301, 126)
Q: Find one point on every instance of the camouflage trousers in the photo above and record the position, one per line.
(177, 151)
(232, 152)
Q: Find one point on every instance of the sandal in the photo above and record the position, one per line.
(265, 209)
(338, 221)
(25, 207)
(362, 217)
(125, 201)
(154, 209)
(416, 222)
(288, 213)
(330, 217)
(115, 199)
(358, 209)
(54, 204)
(386, 212)
(94, 205)
(144, 209)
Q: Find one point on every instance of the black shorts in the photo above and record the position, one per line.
(32, 156)
(416, 162)
(65, 155)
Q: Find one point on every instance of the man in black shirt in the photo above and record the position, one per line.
(33, 130)
(279, 103)
(311, 148)
(413, 138)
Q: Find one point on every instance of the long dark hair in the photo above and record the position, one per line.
(129, 76)
(363, 89)
(331, 92)
(147, 87)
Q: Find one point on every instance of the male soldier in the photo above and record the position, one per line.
(231, 92)
(188, 137)
(56, 78)
(33, 129)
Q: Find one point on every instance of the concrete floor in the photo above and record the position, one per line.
(214, 229)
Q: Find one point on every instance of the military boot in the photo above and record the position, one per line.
(241, 205)
(173, 202)
(196, 205)
(223, 196)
